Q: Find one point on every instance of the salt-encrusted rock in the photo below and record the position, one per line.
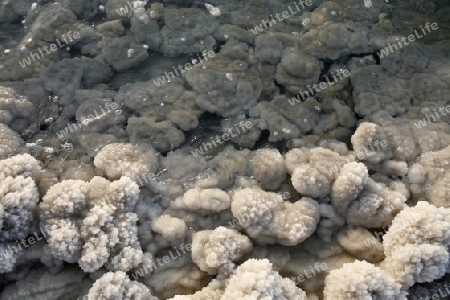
(182, 166)
(349, 183)
(416, 245)
(11, 143)
(93, 223)
(117, 285)
(439, 193)
(172, 229)
(361, 244)
(187, 30)
(288, 118)
(83, 9)
(244, 133)
(174, 102)
(164, 136)
(416, 263)
(42, 284)
(267, 167)
(20, 102)
(268, 49)
(146, 32)
(228, 165)
(213, 291)
(315, 178)
(268, 219)
(393, 99)
(53, 17)
(96, 71)
(206, 200)
(295, 157)
(361, 280)
(429, 175)
(421, 224)
(297, 70)
(11, 11)
(123, 53)
(256, 278)
(12, 66)
(411, 63)
(134, 161)
(225, 85)
(376, 206)
(370, 143)
(217, 251)
(63, 78)
(99, 115)
(227, 31)
(332, 40)
(18, 196)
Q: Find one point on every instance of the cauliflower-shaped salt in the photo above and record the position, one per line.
(216, 251)
(310, 181)
(8, 257)
(121, 159)
(376, 206)
(421, 224)
(315, 178)
(93, 223)
(268, 219)
(18, 196)
(213, 291)
(170, 228)
(267, 166)
(361, 280)
(417, 244)
(117, 285)
(368, 141)
(348, 184)
(256, 279)
(416, 263)
(295, 157)
(212, 200)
